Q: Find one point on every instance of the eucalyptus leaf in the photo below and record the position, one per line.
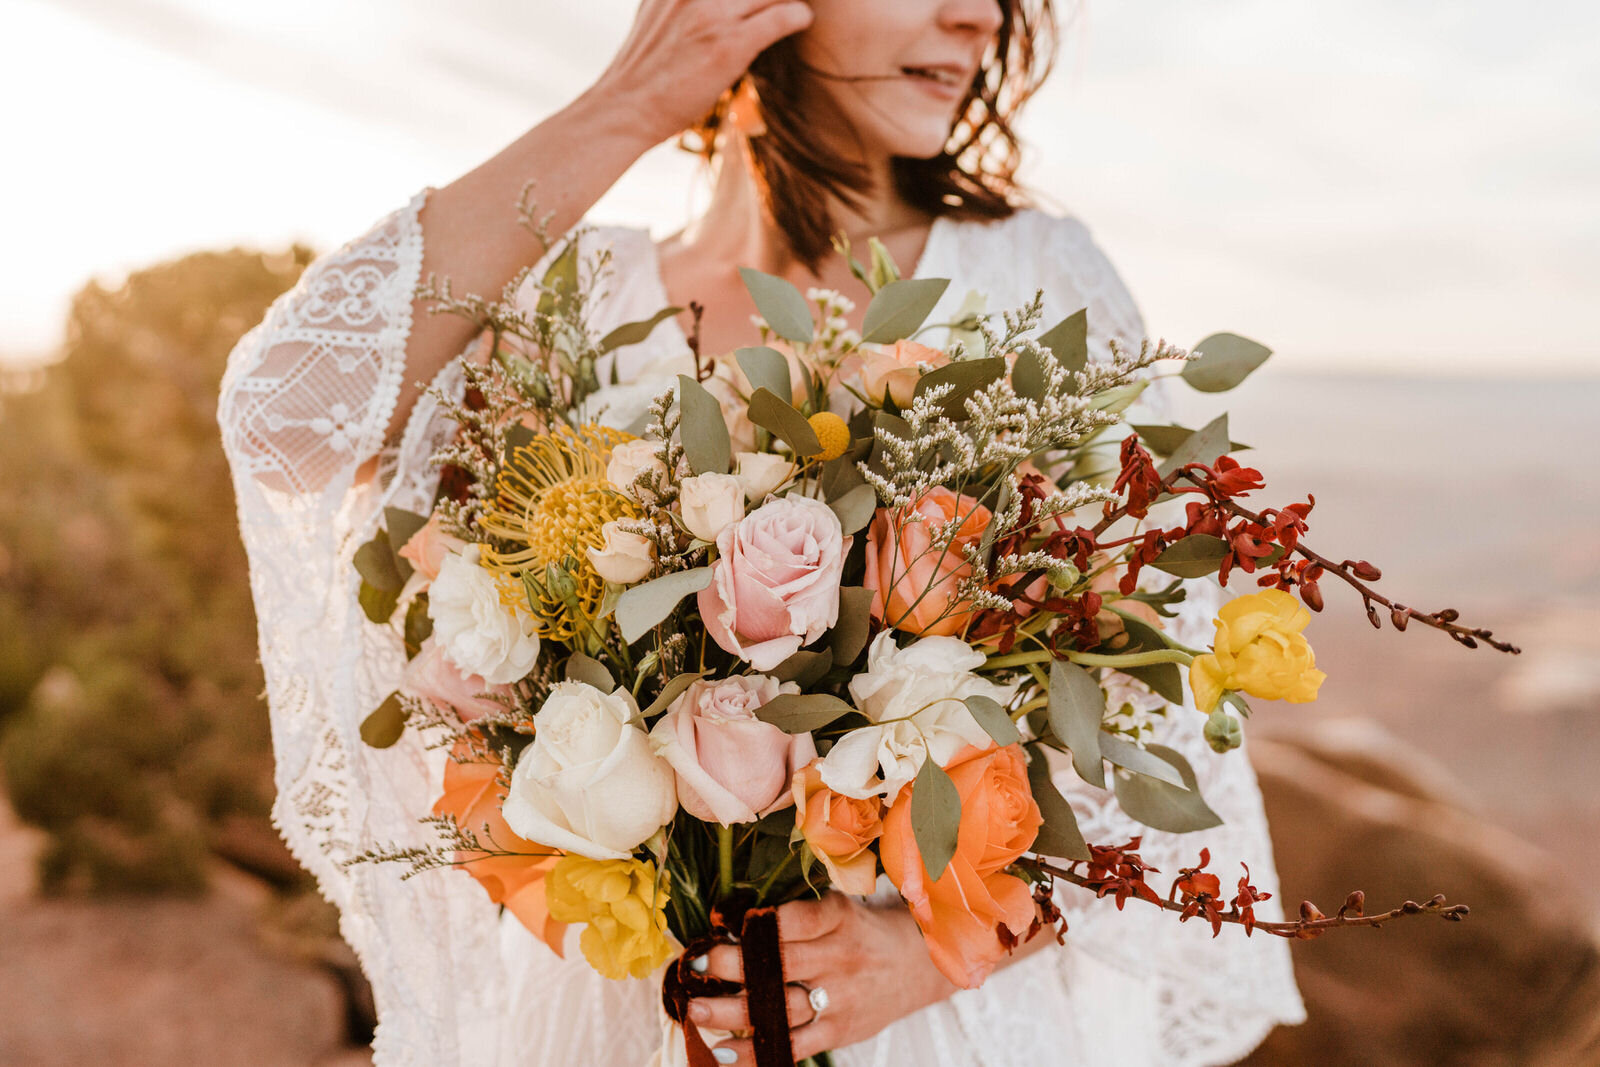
(935, 817)
(1068, 340)
(781, 304)
(402, 525)
(968, 376)
(856, 508)
(1059, 836)
(900, 308)
(805, 669)
(772, 412)
(800, 713)
(1028, 377)
(377, 604)
(1164, 440)
(643, 606)
(517, 436)
(839, 476)
(560, 278)
(631, 333)
(419, 624)
(850, 633)
(766, 368)
(1226, 360)
(589, 671)
(378, 565)
(704, 430)
(1077, 706)
(1162, 806)
(386, 723)
(1130, 757)
(1202, 446)
(671, 691)
(991, 715)
(1194, 556)
(1164, 679)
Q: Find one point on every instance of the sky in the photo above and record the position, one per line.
(1406, 185)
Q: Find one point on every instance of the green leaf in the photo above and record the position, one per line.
(968, 376)
(771, 412)
(856, 508)
(1226, 360)
(800, 713)
(517, 436)
(900, 308)
(379, 567)
(993, 718)
(1068, 340)
(1162, 806)
(767, 369)
(1077, 706)
(643, 606)
(631, 333)
(377, 604)
(1164, 679)
(935, 817)
(1194, 556)
(839, 476)
(850, 633)
(670, 692)
(704, 431)
(1059, 836)
(419, 625)
(385, 725)
(561, 276)
(805, 669)
(1027, 376)
(1130, 757)
(781, 304)
(402, 525)
(581, 668)
(1164, 440)
(885, 271)
(1202, 446)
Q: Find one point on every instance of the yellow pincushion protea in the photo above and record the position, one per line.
(625, 910)
(1260, 650)
(551, 501)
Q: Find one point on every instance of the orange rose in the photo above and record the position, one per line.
(472, 795)
(839, 829)
(913, 584)
(893, 372)
(960, 913)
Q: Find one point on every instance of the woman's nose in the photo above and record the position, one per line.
(983, 16)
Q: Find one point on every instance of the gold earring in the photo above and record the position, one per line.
(744, 110)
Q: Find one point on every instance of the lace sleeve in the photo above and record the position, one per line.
(304, 404)
(1216, 998)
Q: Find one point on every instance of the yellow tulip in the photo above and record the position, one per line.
(1260, 650)
(624, 907)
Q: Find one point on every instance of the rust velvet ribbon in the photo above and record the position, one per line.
(755, 931)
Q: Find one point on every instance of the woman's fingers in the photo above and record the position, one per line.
(807, 920)
(733, 1013)
(722, 962)
(775, 21)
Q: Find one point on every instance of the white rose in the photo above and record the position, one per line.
(761, 473)
(631, 459)
(624, 557)
(589, 783)
(710, 503)
(922, 686)
(477, 631)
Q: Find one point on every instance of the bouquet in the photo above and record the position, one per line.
(815, 614)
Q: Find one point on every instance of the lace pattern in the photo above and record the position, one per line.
(304, 405)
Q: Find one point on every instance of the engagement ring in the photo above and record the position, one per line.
(818, 998)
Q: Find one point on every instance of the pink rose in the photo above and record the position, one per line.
(731, 767)
(893, 370)
(775, 585)
(432, 677)
(428, 547)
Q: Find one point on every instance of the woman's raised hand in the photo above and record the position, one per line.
(680, 55)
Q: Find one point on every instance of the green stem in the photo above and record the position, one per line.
(724, 860)
(766, 886)
(1093, 659)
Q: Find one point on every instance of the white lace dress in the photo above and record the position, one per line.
(304, 405)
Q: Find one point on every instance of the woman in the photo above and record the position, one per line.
(851, 117)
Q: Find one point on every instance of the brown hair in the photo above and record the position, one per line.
(973, 177)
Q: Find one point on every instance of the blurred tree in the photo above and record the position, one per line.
(131, 725)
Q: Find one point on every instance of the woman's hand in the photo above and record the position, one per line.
(680, 55)
(871, 961)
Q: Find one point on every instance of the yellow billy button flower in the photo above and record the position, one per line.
(832, 433)
(624, 907)
(1260, 650)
